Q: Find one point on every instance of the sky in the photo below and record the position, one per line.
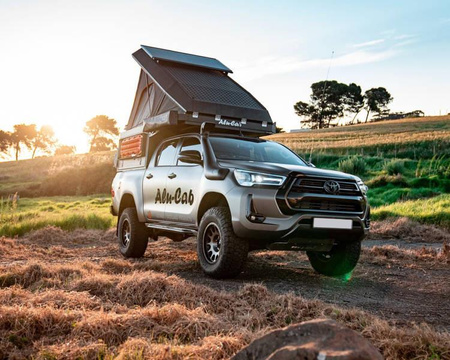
(64, 62)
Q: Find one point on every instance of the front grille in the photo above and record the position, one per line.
(316, 186)
(326, 205)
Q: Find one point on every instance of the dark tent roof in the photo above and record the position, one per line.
(194, 88)
(183, 58)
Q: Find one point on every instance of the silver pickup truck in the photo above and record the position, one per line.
(228, 187)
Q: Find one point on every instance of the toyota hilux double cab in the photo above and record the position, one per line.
(193, 162)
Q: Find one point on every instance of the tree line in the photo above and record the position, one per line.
(101, 131)
(331, 100)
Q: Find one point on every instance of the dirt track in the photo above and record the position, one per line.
(395, 290)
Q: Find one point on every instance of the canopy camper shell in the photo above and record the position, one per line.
(183, 89)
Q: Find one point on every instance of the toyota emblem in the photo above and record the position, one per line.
(331, 187)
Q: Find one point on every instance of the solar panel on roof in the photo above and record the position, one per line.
(183, 58)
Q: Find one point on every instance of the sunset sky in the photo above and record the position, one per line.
(63, 62)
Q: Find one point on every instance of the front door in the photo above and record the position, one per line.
(183, 185)
(155, 179)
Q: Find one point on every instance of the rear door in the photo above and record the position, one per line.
(184, 185)
(155, 179)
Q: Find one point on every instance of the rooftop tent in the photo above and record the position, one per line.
(179, 88)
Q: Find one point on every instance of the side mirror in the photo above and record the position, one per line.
(311, 164)
(190, 157)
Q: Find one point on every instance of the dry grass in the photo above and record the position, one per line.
(432, 129)
(409, 257)
(76, 298)
(79, 174)
(409, 230)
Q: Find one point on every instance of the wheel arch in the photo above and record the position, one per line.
(126, 201)
(210, 200)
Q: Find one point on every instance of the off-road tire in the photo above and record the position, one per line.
(233, 251)
(135, 244)
(341, 260)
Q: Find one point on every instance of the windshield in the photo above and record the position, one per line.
(251, 150)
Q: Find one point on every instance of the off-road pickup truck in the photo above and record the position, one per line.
(184, 173)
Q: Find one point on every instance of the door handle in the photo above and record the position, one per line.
(171, 176)
(149, 176)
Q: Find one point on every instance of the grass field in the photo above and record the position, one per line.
(412, 138)
(82, 174)
(66, 212)
(416, 184)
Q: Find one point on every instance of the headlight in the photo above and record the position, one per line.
(363, 187)
(247, 178)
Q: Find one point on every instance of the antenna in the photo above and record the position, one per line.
(325, 84)
(328, 73)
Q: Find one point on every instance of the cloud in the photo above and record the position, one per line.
(369, 43)
(403, 37)
(282, 65)
(362, 53)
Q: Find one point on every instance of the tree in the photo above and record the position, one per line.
(44, 140)
(102, 144)
(376, 100)
(354, 100)
(65, 150)
(22, 134)
(5, 141)
(329, 100)
(100, 129)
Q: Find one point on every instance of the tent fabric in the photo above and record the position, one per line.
(168, 84)
(150, 101)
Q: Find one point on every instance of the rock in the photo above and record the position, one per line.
(320, 339)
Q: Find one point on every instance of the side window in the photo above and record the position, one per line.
(166, 155)
(190, 143)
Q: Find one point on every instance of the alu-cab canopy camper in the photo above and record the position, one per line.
(177, 91)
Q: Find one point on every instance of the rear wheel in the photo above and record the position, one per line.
(341, 260)
(220, 252)
(132, 234)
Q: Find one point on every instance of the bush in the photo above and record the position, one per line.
(395, 167)
(383, 180)
(439, 166)
(430, 181)
(353, 165)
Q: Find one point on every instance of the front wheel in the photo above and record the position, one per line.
(132, 234)
(220, 252)
(341, 260)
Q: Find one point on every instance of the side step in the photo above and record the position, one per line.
(172, 228)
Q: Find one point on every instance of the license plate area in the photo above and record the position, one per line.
(327, 223)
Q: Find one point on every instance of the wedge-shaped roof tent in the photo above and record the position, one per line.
(183, 89)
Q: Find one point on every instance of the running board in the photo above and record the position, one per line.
(184, 231)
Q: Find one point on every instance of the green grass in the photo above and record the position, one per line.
(66, 212)
(405, 163)
(435, 210)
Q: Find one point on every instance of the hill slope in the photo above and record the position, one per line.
(80, 174)
(411, 138)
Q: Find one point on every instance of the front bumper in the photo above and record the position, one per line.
(256, 215)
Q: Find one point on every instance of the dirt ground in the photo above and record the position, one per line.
(393, 289)
(402, 276)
